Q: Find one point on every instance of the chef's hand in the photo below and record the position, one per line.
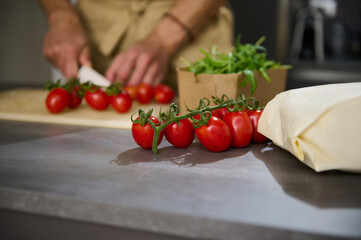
(65, 43)
(146, 61)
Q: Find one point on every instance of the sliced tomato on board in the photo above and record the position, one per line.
(144, 93)
(97, 99)
(163, 93)
(57, 100)
(121, 102)
(132, 91)
(75, 98)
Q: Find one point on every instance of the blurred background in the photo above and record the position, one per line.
(321, 39)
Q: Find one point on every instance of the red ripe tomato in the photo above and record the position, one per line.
(121, 102)
(221, 112)
(75, 99)
(57, 100)
(97, 99)
(163, 93)
(180, 136)
(217, 113)
(132, 91)
(215, 136)
(144, 93)
(254, 116)
(197, 117)
(143, 135)
(240, 126)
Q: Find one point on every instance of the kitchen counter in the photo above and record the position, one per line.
(72, 182)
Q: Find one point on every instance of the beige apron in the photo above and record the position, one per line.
(115, 25)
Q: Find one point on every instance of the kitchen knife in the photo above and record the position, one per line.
(86, 74)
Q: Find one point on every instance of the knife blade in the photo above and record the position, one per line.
(86, 74)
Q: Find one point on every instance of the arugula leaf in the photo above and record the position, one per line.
(264, 74)
(249, 77)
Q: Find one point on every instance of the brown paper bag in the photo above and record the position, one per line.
(191, 90)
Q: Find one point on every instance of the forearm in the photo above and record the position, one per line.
(193, 14)
(196, 14)
(57, 11)
(65, 44)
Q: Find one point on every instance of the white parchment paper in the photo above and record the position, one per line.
(319, 125)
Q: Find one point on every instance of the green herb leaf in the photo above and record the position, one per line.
(249, 76)
(245, 58)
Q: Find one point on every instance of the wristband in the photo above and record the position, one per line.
(182, 25)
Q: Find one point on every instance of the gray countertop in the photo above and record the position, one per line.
(101, 176)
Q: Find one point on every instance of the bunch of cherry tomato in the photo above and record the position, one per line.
(71, 94)
(230, 123)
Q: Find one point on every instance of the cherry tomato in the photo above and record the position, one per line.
(163, 93)
(121, 102)
(254, 116)
(132, 91)
(217, 113)
(57, 100)
(180, 136)
(215, 136)
(240, 126)
(197, 117)
(144, 93)
(143, 135)
(75, 99)
(221, 112)
(97, 99)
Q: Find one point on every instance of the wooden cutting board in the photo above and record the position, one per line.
(29, 105)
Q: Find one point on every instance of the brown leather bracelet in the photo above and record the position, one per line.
(182, 25)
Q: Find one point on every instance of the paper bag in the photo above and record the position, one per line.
(319, 125)
(192, 89)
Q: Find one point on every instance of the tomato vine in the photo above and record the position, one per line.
(204, 109)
